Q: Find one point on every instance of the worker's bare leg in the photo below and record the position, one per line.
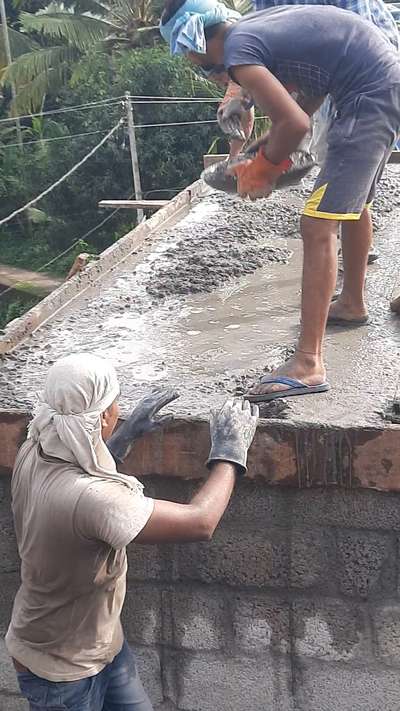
(319, 277)
(356, 242)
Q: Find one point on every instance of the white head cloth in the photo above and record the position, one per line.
(67, 424)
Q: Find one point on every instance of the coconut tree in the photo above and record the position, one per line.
(52, 41)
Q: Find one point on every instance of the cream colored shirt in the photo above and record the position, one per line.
(71, 530)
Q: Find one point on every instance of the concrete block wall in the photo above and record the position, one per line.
(294, 606)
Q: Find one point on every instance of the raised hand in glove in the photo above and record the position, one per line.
(141, 421)
(256, 177)
(232, 431)
(235, 115)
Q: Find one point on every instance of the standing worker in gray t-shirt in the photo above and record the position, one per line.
(315, 51)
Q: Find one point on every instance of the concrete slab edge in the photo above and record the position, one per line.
(45, 310)
(282, 454)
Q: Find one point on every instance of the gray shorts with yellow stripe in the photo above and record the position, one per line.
(360, 141)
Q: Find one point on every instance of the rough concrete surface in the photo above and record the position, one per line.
(213, 304)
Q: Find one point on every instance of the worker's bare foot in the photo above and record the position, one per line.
(308, 369)
(342, 311)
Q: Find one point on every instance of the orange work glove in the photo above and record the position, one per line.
(256, 177)
(235, 114)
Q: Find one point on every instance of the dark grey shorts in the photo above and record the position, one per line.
(360, 141)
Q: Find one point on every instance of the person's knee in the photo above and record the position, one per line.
(314, 229)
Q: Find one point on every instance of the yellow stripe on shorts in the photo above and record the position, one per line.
(314, 201)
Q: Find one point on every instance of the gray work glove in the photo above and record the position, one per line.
(141, 421)
(231, 115)
(232, 430)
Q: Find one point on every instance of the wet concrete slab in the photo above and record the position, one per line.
(237, 324)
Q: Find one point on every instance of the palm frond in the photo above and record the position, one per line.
(94, 7)
(25, 68)
(79, 31)
(30, 97)
(242, 6)
(19, 44)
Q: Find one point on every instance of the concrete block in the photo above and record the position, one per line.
(347, 509)
(9, 559)
(208, 683)
(149, 562)
(8, 678)
(5, 490)
(170, 489)
(329, 687)
(330, 630)
(256, 559)
(366, 564)
(260, 623)
(13, 703)
(148, 662)
(311, 558)
(194, 619)
(255, 502)
(386, 621)
(141, 614)
(8, 589)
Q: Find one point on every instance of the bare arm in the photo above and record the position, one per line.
(178, 523)
(289, 122)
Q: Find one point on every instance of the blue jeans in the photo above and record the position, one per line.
(116, 688)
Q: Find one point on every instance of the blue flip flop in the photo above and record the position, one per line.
(296, 387)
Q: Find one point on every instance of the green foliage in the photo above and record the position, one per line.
(170, 158)
(71, 63)
(11, 308)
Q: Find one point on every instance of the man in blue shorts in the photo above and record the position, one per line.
(315, 51)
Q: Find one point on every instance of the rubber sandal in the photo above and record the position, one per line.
(296, 387)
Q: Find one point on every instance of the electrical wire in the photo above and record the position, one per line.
(68, 249)
(176, 123)
(115, 99)
(66, 109)
(64, 177)
(48, 140)
(184, 123)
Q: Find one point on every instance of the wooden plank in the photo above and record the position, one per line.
(395, 157)
(135, 204)
(212, 158)
(17, 330)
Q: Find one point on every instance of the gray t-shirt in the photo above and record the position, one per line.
(315, 51)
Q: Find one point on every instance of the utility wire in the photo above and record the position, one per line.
(184, 123)
(64, 177)
(91, 133)
(177, 123)
(162, 101)
(66, 109)
(116, 99)
(68, 249)
(48, 140)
